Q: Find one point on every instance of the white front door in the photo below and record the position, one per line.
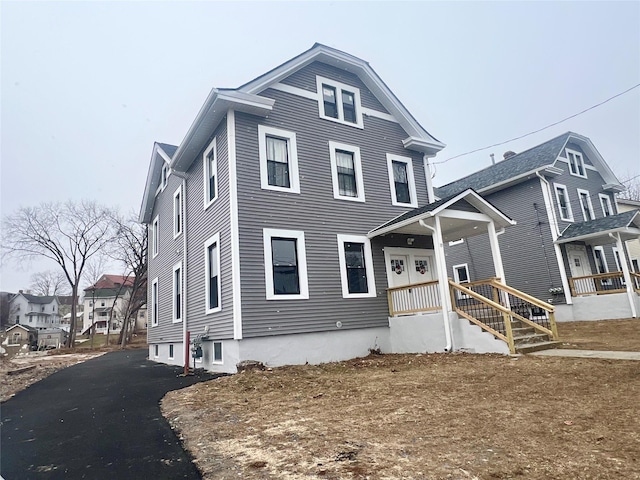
(398, 271)
(578, 262)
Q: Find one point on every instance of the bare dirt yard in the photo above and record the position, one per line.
(438, 416)
(615, 335)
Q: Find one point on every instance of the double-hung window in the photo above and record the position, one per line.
(346, 172)
(212, 274)
(356, 266)
(601, 262)
(210, 171)
(564, 206)
(339, 102)
(278, 159)
(285, 264)
(177, 292)
(585, 205)
(177, 212)
(155, 236)
(576, 163)
(605, 203)
(401, 181)
(154, 302)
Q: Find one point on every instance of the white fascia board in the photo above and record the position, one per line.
(151, 185)
(481, 204)
(212, 112)
(517, 179)
(423, 146)
(592, 152)
(614, 187)
(632, 231)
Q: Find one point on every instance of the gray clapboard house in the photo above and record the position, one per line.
(568, 247)
(290, 226)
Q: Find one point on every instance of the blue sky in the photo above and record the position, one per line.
(87, 87)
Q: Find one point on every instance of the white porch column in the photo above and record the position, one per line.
(625, 273)
(495, 252)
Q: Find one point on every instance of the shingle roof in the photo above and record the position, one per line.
(598, 225)
(168, 149)
(534, 158)
(37, 299)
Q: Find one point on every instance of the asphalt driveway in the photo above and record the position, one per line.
(96, 420)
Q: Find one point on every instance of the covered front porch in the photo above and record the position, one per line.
(598, 291)
(429, 311)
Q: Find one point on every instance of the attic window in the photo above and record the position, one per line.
(339, 102)
(576, 163)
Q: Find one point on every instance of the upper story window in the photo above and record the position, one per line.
(285, 264)
(155, 237)
(210, 171)
(576, 163)
(585, 205)
(564, 207)
(346, 172)
(605, 203)
(278, 160)
(356, 266)
(339, 102)
(401, 181)
(177, 212)
(177, 292)
(154, 302)
(212, 274)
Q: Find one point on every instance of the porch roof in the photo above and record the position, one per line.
(597, 231)
(460, 215)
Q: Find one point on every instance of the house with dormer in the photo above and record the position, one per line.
(568, 247)
(34, 311)
(296, 223)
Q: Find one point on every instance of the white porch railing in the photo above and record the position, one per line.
(419, 297)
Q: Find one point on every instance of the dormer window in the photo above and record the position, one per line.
(576, 163)
(339, 102)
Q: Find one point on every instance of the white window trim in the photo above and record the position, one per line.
(176, 267)
(368, 258)
(155, 305)
(177, 224)
(357, 166)
(268, 234)
(213, 354)
(214, 239)
(589, 204)
(456, 242)
(456, 277)
(616, 258)
(155, 237)
(165, 171)
(169, 355)
(412, 182)
(292, 151)
(156, 351)
(579, 158)
(605, 199)
(339, 87)
(604, 259)
(556, 186)
(205, 173)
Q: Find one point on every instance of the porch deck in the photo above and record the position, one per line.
(603, 284)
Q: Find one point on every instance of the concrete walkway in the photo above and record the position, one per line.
(97, 420)
(560, 352)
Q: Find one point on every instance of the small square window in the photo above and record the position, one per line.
(217, 352)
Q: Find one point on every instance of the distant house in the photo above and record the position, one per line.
(107, 300)
(34, 311)
(633, 246)
(568, 245)
(19, 336)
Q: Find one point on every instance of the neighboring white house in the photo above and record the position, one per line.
(633, 246)
(34, 311)
(106, 301)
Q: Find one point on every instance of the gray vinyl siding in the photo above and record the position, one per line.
(315, 212)
(201, 226)
(528, 255)
(161, 267)
(306, 79)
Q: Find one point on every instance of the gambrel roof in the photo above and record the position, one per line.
(522, 166)
(247, 99)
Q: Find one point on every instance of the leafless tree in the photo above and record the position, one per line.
(67, 233)
(632, 183)
(95, 268)
(49, 283)
(131, 252)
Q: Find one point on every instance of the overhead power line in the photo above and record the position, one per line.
(540, 129)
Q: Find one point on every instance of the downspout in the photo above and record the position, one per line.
(442, 277)
(554, 236)
(625, 273)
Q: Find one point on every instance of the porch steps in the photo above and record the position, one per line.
(526, 340)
